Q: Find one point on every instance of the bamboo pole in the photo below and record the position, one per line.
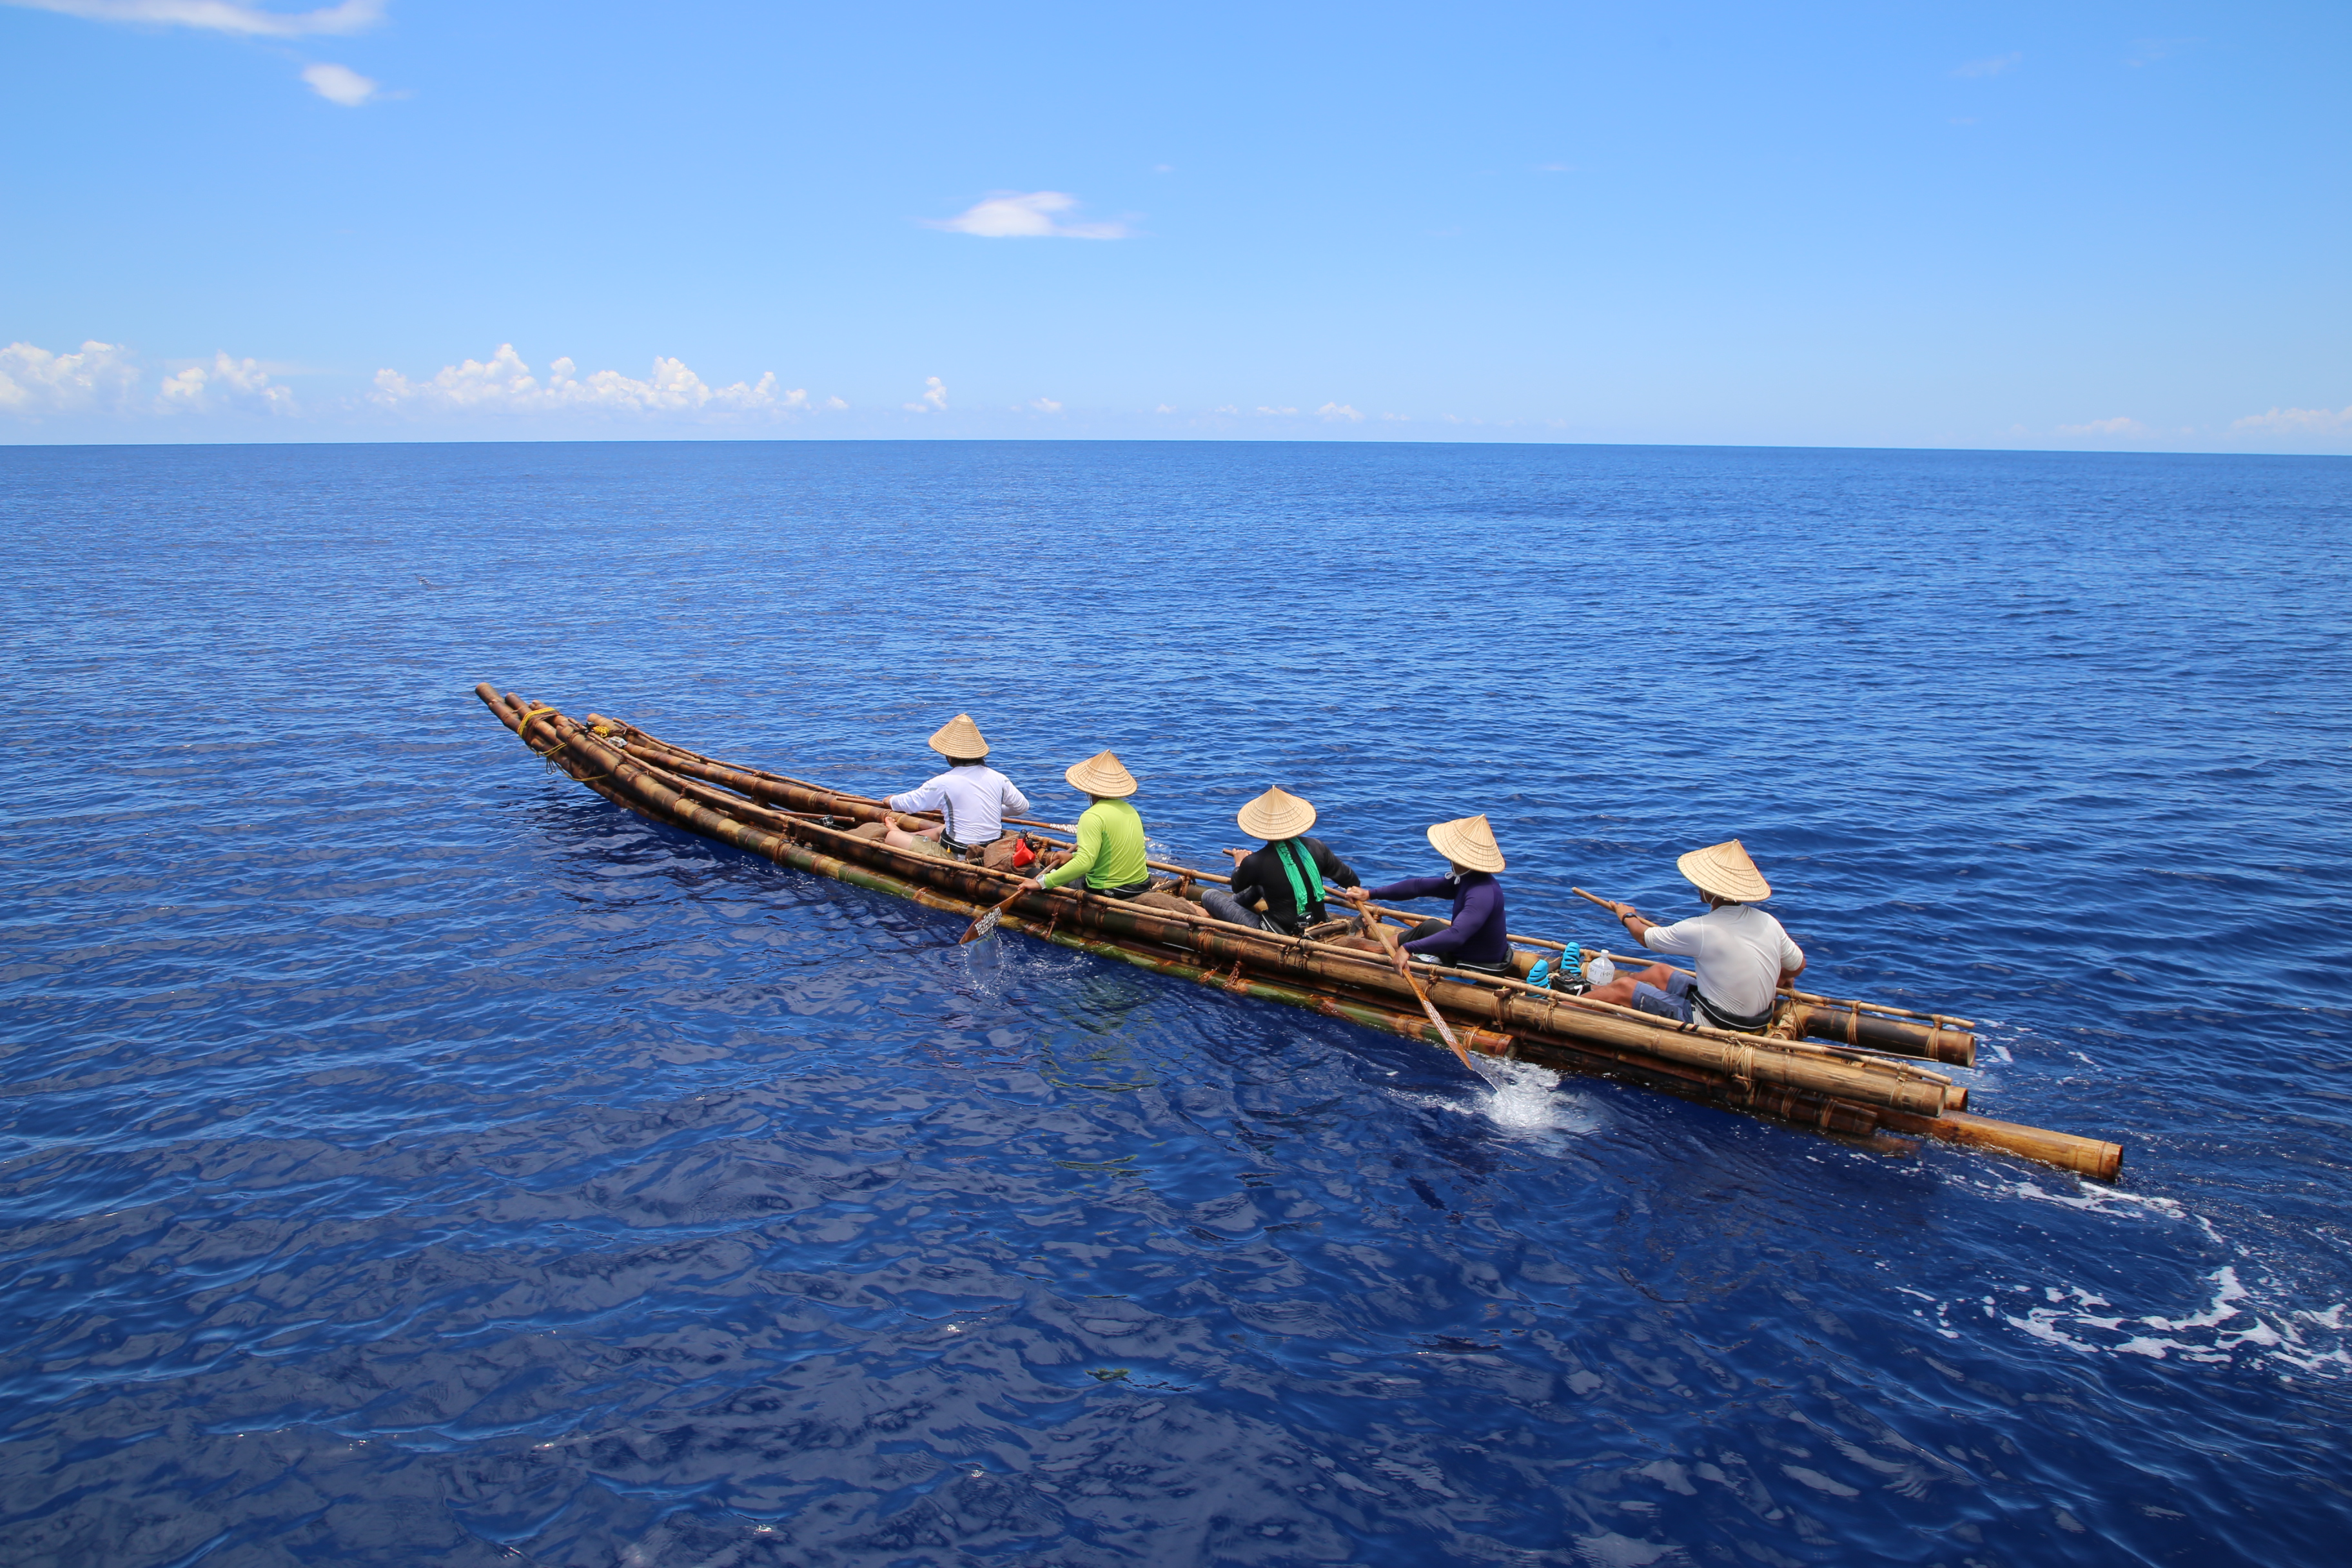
(2091, 1156)
(1941, 1020)
(1871, 1031)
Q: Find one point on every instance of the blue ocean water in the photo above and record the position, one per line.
(408, 1157)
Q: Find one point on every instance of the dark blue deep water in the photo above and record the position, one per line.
(407, 1157)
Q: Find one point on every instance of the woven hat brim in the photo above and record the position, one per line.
(1088, 779)
(1463, 850)
(1709, 873)
(1273, 822)
(958, 737)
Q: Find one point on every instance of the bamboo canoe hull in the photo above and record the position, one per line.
(1820, 1086)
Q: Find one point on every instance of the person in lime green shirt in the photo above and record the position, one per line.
(1110, 835)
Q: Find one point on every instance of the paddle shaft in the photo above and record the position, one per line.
(1387, 939)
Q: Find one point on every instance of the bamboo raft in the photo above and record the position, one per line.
(1839, 1067)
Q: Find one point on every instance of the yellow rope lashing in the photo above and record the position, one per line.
(522, 730)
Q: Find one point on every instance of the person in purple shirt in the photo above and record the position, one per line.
(1477, 936)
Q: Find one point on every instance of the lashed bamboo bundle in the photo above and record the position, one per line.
(1846, 1088)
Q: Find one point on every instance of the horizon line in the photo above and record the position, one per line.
(719, 440)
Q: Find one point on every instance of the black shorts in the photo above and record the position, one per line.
(1503, 970)
(1129, 891)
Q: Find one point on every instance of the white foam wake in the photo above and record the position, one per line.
(2245, 1314)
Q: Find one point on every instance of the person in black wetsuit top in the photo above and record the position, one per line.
(1477, 937)
(1288, 873)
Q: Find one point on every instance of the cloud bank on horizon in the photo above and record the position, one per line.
(502, 395)
(1530, 223)
(503, 384)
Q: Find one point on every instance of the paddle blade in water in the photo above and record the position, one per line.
(986, 924)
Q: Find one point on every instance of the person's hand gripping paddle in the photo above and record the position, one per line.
(1387, 938)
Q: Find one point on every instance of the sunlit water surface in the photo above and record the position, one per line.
(410, 1158)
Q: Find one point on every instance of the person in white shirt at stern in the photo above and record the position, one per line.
(1741, 954)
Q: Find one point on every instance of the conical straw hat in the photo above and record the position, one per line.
(1725, 870)
(1277, 813)
(959, 737)
(1468, 841)
(1101, 774)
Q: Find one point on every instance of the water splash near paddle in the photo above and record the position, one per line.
(1521, 1096)
(1519, 1101)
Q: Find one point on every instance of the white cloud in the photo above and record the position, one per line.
(1045, 406)
(1261, 409)
(1165, 408)
(2121, 425)
(222, 16)
(2299, 422)
(1993, 67)
(34, 382)
(1340, 412)
(339, 84)
(225, 384)
(504, 384)
(935, 397)
(1027, 215)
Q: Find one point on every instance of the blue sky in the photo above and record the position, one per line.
(2118, 226)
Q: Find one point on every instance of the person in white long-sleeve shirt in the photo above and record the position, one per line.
(971, 798)
(1740, 954)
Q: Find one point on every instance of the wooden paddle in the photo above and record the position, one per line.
(1387, 939)
(1614, 908)
(985, 925)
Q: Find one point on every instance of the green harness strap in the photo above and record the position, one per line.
(1302, 878)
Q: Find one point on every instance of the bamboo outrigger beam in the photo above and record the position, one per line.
(1845, 1088)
